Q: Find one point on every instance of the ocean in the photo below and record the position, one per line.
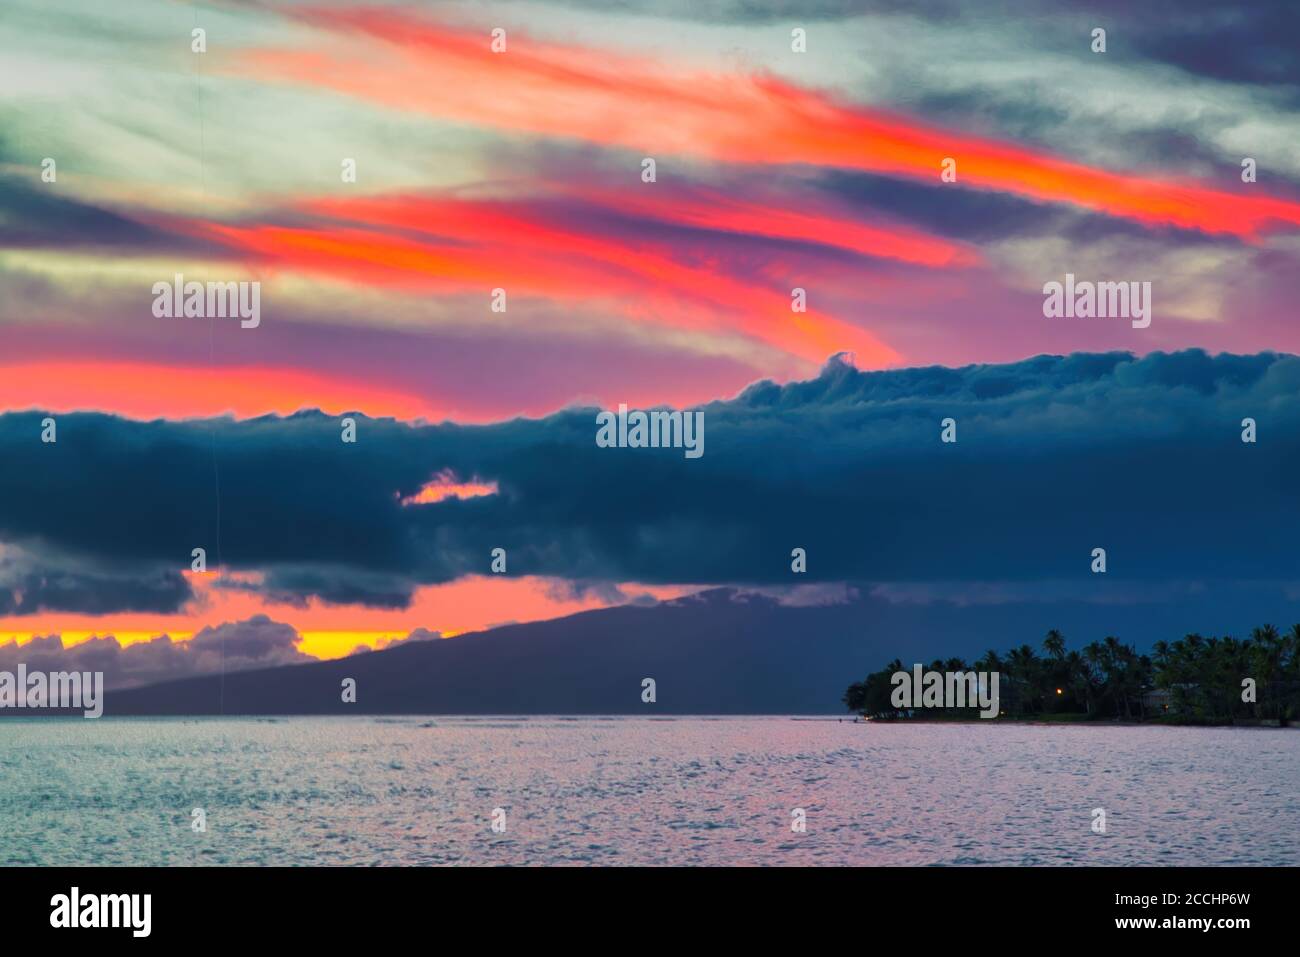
(624, 791)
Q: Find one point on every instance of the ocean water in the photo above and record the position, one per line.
(624, 791)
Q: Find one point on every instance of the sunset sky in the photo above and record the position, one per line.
(522, 170)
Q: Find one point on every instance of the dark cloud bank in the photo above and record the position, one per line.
(1055, 456)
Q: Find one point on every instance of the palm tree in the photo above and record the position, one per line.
(1293, 639)
(1126, 674)
(1269, 653)
(1161, 651)
(1023, 667)
(1094, 654)
(1080, 679)
(1055, 675)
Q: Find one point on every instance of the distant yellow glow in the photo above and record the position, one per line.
(337, 644)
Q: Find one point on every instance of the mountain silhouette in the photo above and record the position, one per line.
(718, 652)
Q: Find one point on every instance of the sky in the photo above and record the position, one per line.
(794, 147)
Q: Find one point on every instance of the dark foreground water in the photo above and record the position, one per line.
(641, 791)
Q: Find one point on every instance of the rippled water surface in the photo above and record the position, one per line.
(641, 791)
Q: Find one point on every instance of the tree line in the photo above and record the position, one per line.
(1191, 680)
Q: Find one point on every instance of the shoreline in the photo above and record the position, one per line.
(1104, 723)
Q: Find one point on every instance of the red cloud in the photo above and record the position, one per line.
(663, 110)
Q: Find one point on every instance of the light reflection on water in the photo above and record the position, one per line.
(370, 790)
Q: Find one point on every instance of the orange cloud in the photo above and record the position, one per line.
(331, 631)
(531, 258)
(445, 485)
(148, 390)
(511, 220)
(658, 109)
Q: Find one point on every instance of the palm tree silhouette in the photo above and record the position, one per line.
(1203, 676)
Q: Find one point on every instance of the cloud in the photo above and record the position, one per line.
(418, 634)
(1247, 45)
(802, 596)
(588, 95)
(35, 581)
(36, 217)
(257, 642)
(676, 292)
(338, 585)
(548, 250)
(1055, 456)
